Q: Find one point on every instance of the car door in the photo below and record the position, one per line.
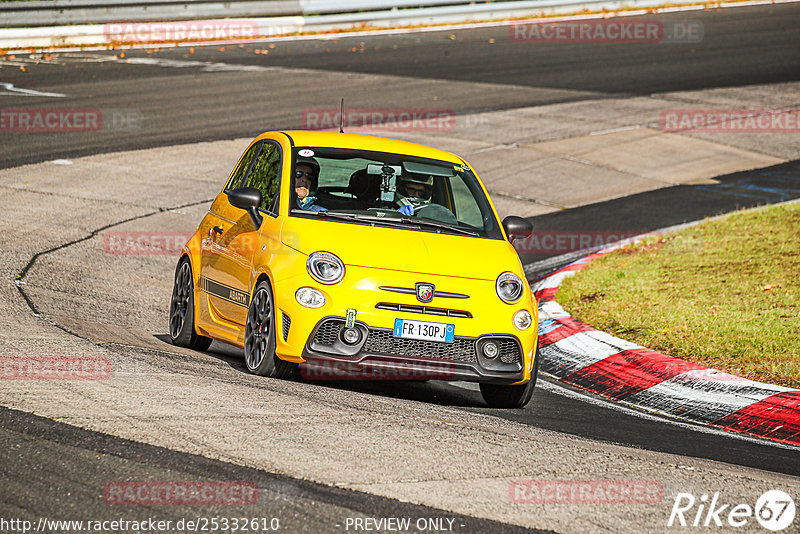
(231, 239)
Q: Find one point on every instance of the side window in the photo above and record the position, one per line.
(266, 174)
(239, 175)
(466, 208)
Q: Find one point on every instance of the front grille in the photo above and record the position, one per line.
(287, 323)
(328, 332)
(413, 291)
(383, 342)
(426, 310)
(509, 350)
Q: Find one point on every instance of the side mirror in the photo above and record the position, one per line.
(517, 227)
(248, 199)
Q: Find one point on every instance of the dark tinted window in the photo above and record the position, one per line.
(265, 174)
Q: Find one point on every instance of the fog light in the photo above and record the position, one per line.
(351, 336)
(522, 319)
(490, 349)
(309, 297)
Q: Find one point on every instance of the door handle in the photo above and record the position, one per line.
(213, 231)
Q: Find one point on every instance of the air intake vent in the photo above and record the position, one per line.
(287, 323)
(425, 310)
(382, 341)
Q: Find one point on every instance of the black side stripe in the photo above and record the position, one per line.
(224, 292)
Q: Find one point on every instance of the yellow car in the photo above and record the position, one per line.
(349, 256)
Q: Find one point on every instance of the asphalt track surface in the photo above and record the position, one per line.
(741, 47)
(670, 206)
(74, 490)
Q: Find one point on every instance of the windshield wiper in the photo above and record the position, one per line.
(388, 221)
(393, 221)
(431, 224)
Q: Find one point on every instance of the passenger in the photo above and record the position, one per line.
(306, 178)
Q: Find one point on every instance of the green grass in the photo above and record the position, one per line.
(724, 294)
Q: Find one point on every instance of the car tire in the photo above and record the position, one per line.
(259, 337)
(518, 396)
(181, 311)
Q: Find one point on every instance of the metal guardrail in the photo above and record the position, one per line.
(312, 7)
(66, 12)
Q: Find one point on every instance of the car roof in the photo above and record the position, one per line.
(367, 142)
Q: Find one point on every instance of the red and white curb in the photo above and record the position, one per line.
(582, 356)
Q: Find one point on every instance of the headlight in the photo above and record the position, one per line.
(522, 319)
(325, 267)
(509, 287)
(310, 297)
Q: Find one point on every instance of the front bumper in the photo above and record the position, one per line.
(379, 355)
(372, 294)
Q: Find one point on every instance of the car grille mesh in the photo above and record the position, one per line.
(509, 350)
(327, 332)
(287, 323)
(383, 342)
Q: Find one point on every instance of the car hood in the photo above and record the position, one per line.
(403, 250)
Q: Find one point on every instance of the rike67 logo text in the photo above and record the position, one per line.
(774, 510)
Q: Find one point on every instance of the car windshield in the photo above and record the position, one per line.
(393, 190)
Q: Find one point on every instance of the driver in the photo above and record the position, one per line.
(306, 178)
(413, 192)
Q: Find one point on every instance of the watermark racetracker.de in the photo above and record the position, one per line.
(411, 370)
(564, 241)
(189, 30)
(55, 368)
(180, 493)
(146, 243)
(69, 120)
(613, 30)
(149, 243)
(171, 243)
(138, 526)
(586, 491)
(730, 120)
(380, 119)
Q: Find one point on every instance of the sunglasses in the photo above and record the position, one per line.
(416, 190)
(300, 174)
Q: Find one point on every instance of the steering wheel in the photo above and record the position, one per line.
(437, 212)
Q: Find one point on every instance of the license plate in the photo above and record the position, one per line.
(424, 330)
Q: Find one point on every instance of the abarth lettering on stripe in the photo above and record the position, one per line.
(224, 292)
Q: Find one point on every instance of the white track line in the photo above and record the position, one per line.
(19, 91)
